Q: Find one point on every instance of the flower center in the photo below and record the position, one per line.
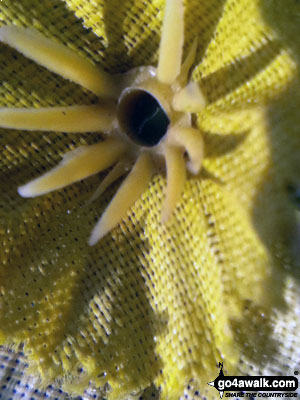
(141, 117)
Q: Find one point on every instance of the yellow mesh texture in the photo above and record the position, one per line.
(152, 303)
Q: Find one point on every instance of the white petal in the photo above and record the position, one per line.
(93, 118)
(131, 189)
(58, 58)
(76, 165)
(171, 44)
(176, 175)
(191, 140)
(189, 99)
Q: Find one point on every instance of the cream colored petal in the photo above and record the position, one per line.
(59, 59)
(118, 170)
(191, 140)
(76, 165)
(188, 62)
(92, 118)
(189, 99)
(176, 175)
(170, 51)
(131, 189)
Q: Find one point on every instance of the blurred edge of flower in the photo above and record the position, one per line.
(285, 22)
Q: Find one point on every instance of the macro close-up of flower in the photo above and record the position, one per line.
(149, 215)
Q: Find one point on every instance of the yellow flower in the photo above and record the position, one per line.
(154, 303)
(146, 114)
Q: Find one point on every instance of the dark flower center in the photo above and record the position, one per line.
(142, 118)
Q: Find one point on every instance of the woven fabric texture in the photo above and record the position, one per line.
(155, 304)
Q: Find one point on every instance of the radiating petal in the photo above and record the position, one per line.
(131, 189)
(170, 51)
(189, 99)
(59, 59)
(191, 140)
(78, 164)
(92, 118)
(118, 170)
(176, 175)
(188, 62)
